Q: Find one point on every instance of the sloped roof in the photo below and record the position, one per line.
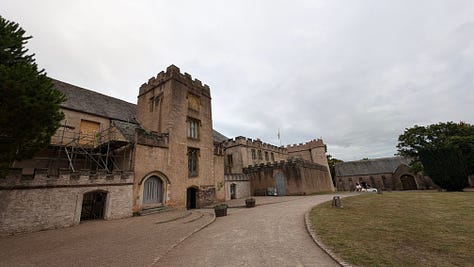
(91, 102)
(218, 137)
(371, 166)
(127, 129)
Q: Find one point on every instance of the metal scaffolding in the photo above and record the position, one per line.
(104, 150)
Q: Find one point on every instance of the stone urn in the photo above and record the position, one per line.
(250, 202)
(220, 210)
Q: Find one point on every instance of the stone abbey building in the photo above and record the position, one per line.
(112, 159)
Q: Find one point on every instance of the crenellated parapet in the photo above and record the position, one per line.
(284, 163)
(66, 178)
(253, 143)
(315, 143)
(173, 72)
(236, 177)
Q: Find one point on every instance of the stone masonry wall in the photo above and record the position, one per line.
(301, 177)
(43, 202)
(312, 151)
(219, 177)
(165, 104)
(241, 150)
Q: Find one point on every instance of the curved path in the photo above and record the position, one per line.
(268, 235)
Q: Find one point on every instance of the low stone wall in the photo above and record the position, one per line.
(40, 202)
(300, 177)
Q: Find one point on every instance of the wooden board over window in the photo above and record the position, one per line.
(88, 131)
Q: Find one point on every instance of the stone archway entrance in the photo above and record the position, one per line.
(93, 205)
(408, 182)
(153, 191)
(191, 198)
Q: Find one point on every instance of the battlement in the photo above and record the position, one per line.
(254, 143)
(173, 72)
(236, 177)
(66, 178)
(284, 163)
(315, 143)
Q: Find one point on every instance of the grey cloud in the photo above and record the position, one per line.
(355, 73)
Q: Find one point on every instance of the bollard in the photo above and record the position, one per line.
(336, 202)
(379, 190)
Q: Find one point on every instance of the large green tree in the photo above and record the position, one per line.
(29, 105)
(444, 151)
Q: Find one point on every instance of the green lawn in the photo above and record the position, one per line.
(400, 228)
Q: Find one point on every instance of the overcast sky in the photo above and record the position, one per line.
(356, 73)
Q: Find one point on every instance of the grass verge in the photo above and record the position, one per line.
(400, 228)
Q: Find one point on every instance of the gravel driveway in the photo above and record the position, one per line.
(268, 235)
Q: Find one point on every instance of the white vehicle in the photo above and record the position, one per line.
(369, 189)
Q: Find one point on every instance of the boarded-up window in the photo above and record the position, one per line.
(88, 132)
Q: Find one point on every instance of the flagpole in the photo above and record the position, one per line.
(279, 140)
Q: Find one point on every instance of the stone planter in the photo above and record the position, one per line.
(250, 202)
(220, 210)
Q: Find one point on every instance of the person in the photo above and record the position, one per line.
(358, 187)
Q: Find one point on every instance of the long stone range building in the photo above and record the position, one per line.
(383, 173)
(113, 159)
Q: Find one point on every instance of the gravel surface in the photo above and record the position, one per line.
(267, 235)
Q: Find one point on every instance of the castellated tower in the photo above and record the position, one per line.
(312, 151)
(175, 110)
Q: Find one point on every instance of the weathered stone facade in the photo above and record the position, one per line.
(103, 136)
(172, 103)
(39, 202)
(384, 174)
(242, 153)
(111, 159)
(312, 151)
(290, 177)
(237, 186)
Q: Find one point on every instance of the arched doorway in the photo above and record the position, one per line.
(408, 182)
(152, 191)
(93, 205)
(280, 184)
(233, 194)
(191, 194)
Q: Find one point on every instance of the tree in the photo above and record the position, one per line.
(332, 167)
(444, 151)
(29, 105)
